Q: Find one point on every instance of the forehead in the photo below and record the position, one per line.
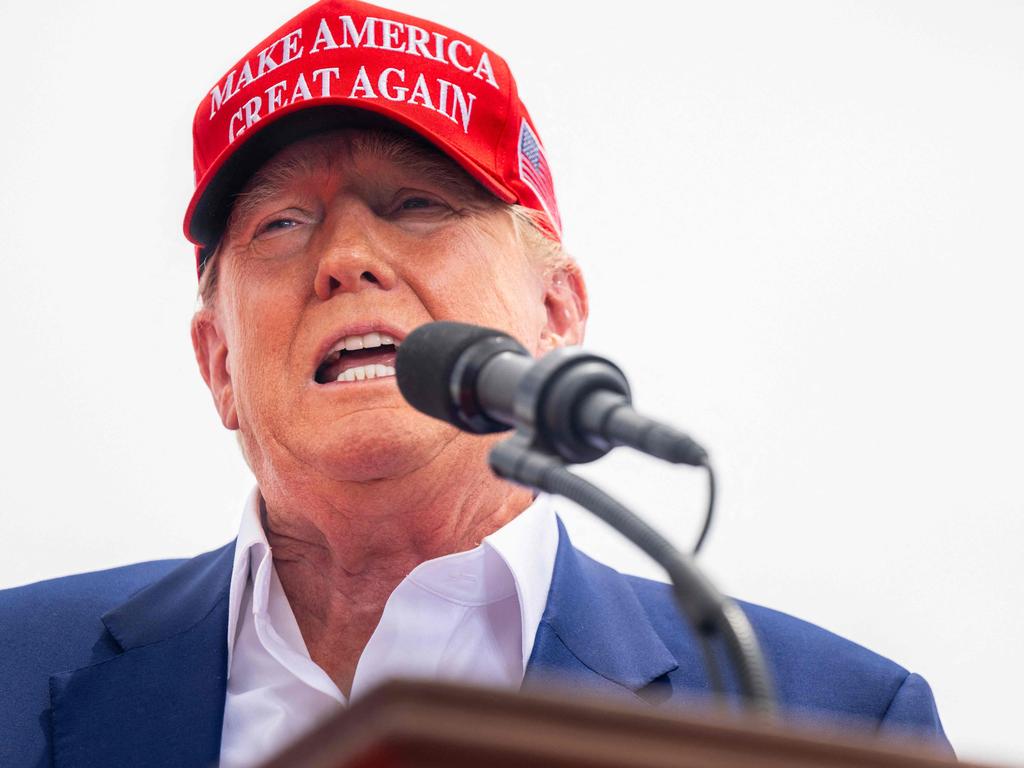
(344, 150)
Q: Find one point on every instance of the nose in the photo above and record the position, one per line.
(354, 255)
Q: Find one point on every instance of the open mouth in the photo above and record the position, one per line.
(358, 358)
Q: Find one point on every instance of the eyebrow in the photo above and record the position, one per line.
(420, 159)
(264, 185)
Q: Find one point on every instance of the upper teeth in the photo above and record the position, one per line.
(366, 341)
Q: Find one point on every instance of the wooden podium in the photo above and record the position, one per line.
(407, 724)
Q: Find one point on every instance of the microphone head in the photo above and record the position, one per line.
(436, 368)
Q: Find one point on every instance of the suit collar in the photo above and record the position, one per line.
(160, 701)
(175, 603)
(594, 628)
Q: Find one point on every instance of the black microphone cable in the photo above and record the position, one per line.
(710, 513)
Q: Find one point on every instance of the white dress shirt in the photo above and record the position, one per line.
(470, 616)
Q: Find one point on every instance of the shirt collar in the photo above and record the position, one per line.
(250, 535)
(528, 545)
(517, 559)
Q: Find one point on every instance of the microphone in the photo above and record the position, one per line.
(576, 404)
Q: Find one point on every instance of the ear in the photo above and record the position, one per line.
(565, 299)
(212, 355)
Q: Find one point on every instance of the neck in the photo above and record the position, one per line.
(341, 548)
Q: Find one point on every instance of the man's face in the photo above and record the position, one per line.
(344, 235)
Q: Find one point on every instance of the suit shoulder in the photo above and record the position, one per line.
(775, 629)
(55, 624)
(814, 669)
(90, 593)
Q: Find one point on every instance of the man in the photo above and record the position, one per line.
(360, 173)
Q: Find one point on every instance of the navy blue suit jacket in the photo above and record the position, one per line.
(128, 666)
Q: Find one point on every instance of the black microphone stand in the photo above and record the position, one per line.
(522, 459)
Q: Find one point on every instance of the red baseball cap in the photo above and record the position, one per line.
(342, 63)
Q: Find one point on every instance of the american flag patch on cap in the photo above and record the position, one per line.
(534, 172)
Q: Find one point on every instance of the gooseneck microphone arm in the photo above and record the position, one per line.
(711, 613)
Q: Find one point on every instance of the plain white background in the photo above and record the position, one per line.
(801, 227)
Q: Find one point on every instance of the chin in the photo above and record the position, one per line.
(379, 444)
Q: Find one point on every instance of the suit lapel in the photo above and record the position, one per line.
(594, 631)
(160, 700)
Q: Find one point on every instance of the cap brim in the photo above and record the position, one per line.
(211, 202)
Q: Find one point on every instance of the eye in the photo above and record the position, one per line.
(413, 203)
(281, 222)
(417, 204)
(276, 225)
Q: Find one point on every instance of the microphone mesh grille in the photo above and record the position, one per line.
(426, 361)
